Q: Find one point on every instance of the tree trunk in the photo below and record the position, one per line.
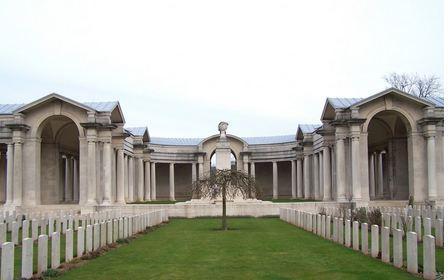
(224, 217)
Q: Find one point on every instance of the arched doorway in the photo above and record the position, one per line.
(59, 161)
(233, 162)
(388, 156)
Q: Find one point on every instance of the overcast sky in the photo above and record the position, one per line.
(180, 67)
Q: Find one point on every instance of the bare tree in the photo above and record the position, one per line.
(421, 86)
(226, 184)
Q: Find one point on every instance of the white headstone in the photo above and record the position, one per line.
(27, 258)
(55, 250)
(429, 257)
(42, 254)
(68, 245)
(7, 261)
(412, 252)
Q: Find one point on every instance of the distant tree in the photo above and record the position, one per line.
(421, 86)
(226, 184)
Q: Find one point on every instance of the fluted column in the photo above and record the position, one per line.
(246, 167)
(321, 175)
(356, 177)
(201, 169)
(153, 181)
(131, 173)
(126, 178)
(274, 180)
(140, 179)
(372, 176)
(306, 177)
(91, 172)
(293, 179)
(380, 174)
(75, 180)
(316, 175)
(252, 169)
(326, 173)
(172, 196)
(147, 180)
(194, 176)
(431, 158)
(107, 171)
(9, 173)
(18, 173)
(120, 176)
(340, 169)
(68, 187)
(299, 179)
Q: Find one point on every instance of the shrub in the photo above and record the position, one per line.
(374, 217)
(360, 215)
(50, 273)
(322, 211)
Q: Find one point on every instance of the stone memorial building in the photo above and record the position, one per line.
(385, 147)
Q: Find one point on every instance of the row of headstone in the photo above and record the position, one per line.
(90, 237)
(347, 233)
(414, 211)
(60, 221)
(414, 223)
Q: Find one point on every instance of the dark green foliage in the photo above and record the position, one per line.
(360, 215)
(375, 217)
(50, 273)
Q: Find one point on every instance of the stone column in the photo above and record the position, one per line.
(18, 173)
(246, 167)
(372, 176)
(340, 168)
(75, 180)
(147, 180)
(140, 179)
(274, 180)
(431, 158)
(131, 179)
(252, 169)
(9, 173)
(306, 177)
(293, 179)
(321, 175)
(120, 176)
(194, 176)
(356, 180)
(126, 177)
(327, 174)
(380, 174)
(299, 179)
(68, 187)
(153, 181)
(107, 169)
(91, 171)
(172, 197)
(201, 169)
(316, 175)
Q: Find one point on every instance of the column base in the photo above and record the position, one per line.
(106, 203)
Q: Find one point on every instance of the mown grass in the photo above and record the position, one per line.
(263, 248)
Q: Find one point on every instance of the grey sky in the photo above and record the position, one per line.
(180, 67)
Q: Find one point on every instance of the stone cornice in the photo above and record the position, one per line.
(107, 126)
(356, 121)
(18, 127)
(246, 153)
(139, 146)
(90, 125)
(429, 120)
(200, 153)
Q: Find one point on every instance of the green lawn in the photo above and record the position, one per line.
(264, 248)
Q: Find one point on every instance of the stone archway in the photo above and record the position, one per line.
(59, 178)
(233, 161)
(388, 133)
